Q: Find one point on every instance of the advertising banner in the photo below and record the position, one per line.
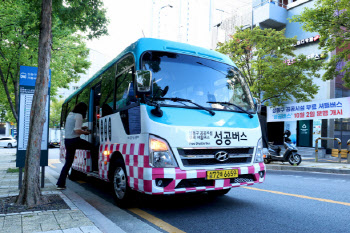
(321, 109)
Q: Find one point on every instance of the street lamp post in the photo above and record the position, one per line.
(159, 17)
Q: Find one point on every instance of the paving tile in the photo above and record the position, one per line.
(54, 231)
(77, 215)
(31, 228)
(90, 229)
(72, 230)
(13, 218)
(53, 226)
(2, 220)
(61, 218)
(12, 229)
(71, 224)
(30, 219)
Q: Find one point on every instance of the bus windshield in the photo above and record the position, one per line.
(206, 82)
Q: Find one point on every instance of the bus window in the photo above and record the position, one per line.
(71, 104)
(107, 91)
(96, 113)
(123, 84)
(63, 115)
(84, 97)
(125, 64)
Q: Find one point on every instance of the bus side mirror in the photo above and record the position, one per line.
(144, 79)
(257, 105)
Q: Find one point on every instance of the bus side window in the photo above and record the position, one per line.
(107, 91)
(71, 105)
(124, 88)
(84, 97)
(63, 115)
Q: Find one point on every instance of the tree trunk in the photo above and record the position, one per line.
(8, 95)
(30, 194)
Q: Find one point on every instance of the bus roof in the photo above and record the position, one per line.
(151, 44)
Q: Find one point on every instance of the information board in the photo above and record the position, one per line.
(26, 93)
(316, 110)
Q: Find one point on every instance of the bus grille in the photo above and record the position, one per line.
(205, 157)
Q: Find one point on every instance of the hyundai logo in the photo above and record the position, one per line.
(221, 156)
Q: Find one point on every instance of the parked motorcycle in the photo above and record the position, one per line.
(290, 154)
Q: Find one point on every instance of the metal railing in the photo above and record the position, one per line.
(339, 148)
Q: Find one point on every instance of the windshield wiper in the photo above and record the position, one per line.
(176, 99)
(228, 103)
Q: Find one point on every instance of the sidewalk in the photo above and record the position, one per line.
(81, 217)
(326, 165)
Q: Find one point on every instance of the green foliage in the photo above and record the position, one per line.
(55, 113)
(261, 55)
(331, 19)
(13, 170)
(19, 38)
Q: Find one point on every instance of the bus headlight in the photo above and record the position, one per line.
(259, 152)
(160, 153)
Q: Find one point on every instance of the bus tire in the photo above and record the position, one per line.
(122, 193)
(217, 193)
(267, 161)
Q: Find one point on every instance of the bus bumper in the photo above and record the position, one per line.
(158, 181)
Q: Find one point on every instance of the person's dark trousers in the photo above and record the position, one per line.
(72, 145)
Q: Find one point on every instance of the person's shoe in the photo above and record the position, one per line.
(61, 187)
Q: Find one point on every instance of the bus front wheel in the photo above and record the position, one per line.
(121, 191)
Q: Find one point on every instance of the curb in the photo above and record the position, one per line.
(100, 221)
(307, 169)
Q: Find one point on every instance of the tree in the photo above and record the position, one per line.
(30, 194)
(271, 69)
(55, 112)
(19, 30)
(331, 19)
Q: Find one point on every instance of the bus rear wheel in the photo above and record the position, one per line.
(122, 193)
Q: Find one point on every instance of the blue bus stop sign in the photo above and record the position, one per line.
(27, 81)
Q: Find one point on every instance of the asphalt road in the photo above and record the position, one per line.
(286, 202)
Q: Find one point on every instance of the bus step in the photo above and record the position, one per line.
(93, 174)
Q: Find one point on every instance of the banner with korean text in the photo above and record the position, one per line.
(320, 109)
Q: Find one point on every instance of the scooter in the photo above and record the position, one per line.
(290, 154)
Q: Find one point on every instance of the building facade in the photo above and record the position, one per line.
(276, 14)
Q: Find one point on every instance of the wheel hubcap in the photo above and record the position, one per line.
(295, 158)
(119, 182)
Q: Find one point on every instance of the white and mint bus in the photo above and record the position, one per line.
(169, 118)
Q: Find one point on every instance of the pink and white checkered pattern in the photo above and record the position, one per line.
(82, 161)
(133, 154)
(62, 153)
(141, 176)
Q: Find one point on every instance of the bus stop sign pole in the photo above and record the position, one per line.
(27, 81)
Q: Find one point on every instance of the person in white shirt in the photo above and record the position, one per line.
(72, 141)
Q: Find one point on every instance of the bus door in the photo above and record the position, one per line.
(95, 97)
(95, 105)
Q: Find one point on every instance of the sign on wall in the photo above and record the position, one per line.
(307, 40)
(321, 109)
(27, 81)
(316, 56)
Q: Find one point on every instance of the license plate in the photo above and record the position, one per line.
(222, 174)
